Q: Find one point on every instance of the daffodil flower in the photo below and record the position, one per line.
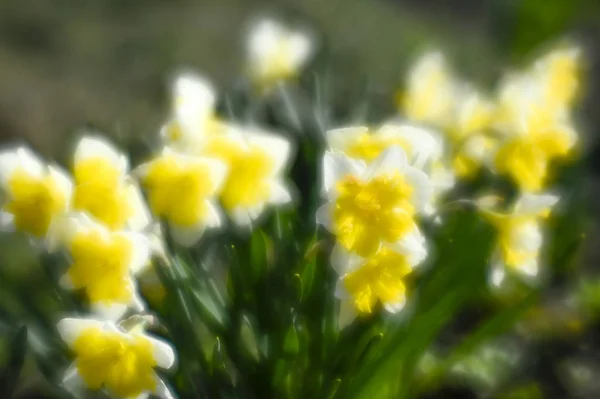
(103, 263)
(256, 163)
(520, 236)
(276, 53)
(121, 362)
(375, 205)
(103, 188)
(183, 189)
(533, 133)
(380, 277)
(430, 91)
(193, 113)
(558, 72)
(34, 194)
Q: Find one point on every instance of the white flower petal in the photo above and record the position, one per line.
(9, 161)
(163, 352)
(110, 311)
(64, 182)
(141, 248)
(530, 268)
(241, 217)
(497, 274)
(422, 188)
(141, 214)
(391, 160)
(323, 216)
(92, 146)
(7, 222)
(347, 313)
(413, 246)
(300, 47)
(396, 306)
(336, 166)
(194, 99)
(339, 139)
(526, 237)
(278, 147)
(162, 391)
(279, 193)
(343, 261)
(534, 204)
(264, 39)
(424, 146)
(187, 236)
(66, 282)
(218, 173)
(71, 328)
(30, 162)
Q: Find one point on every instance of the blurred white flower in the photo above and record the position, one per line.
(103, 263)
(103, 187)
(34, 194)
(183, 189)
(121, 362)
(276, 52)
(375, 205)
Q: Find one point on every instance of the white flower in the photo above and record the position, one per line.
(34, 193)
(103, 187)
(122, 362)
(275, 52)
(257, 161)
(103, 263)
(183, 190)
(374, 205)
(520, 236)
(193, 113)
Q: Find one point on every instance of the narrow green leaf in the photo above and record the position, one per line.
(9, 377)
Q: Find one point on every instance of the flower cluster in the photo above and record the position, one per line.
(99, 215)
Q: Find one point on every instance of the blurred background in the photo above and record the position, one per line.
(68, 64)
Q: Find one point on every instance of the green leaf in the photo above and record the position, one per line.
(9, 377)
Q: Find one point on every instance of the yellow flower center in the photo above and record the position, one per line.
(178, 191)
(379, 279)
(369, 146)
(34, 201)
(100, 191)
(250, 172)
(101, 266)
(124, 365)
(367, 213)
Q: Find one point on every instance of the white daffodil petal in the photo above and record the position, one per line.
(163, 353)
(71, 328)
(162, 390)
(241, 217)
(422, 188)
(9, 161)
(412, 246)
(396, 306)
(30, 162)
(141, 249)
(111, 311)
(300, 46)
(338, 139)
(336, 165)
(278, 148)
(141, 214)
(279, 193)
(214, 216)
(187, 236)
(526, 237)
(194, 98)
(7, 222)
(92, 146)
(218, 173)
(533, 204)
(347, 313)
(391, 160)
(497, 274)
(64, 182)
(343, 261)
(323, 216)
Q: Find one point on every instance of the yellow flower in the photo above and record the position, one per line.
(256, 162)
(103, 188)
(380, 277)
(107, 357)
(476, 151)
(103, 263)
(182, 190)
(520, 236)
(559, 72)
(193, 113)
(474, 114)
(276, 53)
(374, 205)
(34, 194)
(429, 92)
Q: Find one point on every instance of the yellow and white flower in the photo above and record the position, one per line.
(520, 236)
(183, 189)
(256, 163)
(533, 133)
(430, 91)
(276, 53)
(103, 263)
(424, 149)
(372, 206)
(379, 278)
(34, 194)
(121, 362)
(193, 113)
(103, 187)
